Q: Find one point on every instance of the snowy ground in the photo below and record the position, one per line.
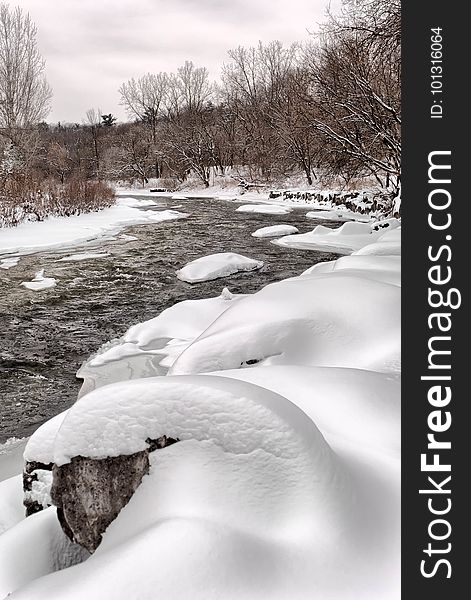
(286, 481)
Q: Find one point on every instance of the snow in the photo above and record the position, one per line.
(8, 263)
(84, 256)
(347, 238)
(39, 282)
(151, 347)
(342, 318)
(11, 457)
(254, 502)
(286, 481)
(40, 488)
(117, 419)
(265, 209)
(57, 232)
(40, 446)
(11, 502)
(274, 231)
(337, 215)
(217, 265)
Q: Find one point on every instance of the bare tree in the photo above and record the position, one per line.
(94, 123)
(144, 99)
(24, 91)
(355, 77)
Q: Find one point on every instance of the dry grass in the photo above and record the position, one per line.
(30, 200)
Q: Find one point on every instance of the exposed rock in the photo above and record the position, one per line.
(90, 493)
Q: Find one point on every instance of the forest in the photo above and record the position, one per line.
(327, 111)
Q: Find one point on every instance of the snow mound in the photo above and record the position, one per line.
(274, 231)
(252, 501)
(237, 417)
(380, 268)
(8, 263)
(84, 256)
(150, 348)
(39, 282)
(387, 244)
(341, 318)
(57, 232)
(217, 265)
(350, 237)
(368, 402)
(265, 209)
(336, 215)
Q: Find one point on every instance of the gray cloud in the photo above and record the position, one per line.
(92, 46)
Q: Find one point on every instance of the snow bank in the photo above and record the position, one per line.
(380, 268)
(367, 401)
(337, 215)
(286, 481)
(264, 209)
(351, 236)
(71, 231)
(39, 282)
(151, 347)
(251, 502)
(274, 231)
(341, 318)
(11, 502)
(217, 265)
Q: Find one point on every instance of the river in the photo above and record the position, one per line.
(45, 336)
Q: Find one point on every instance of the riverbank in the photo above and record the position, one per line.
(286, 406)
(287, 412)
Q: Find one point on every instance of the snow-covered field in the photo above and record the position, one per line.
(285, 483)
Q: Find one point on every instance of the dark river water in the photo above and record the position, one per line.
(46, 335)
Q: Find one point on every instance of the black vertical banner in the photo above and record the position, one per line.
(436, 246)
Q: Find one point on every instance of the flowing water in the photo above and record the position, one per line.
(46, 335)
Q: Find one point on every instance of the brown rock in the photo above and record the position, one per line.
(90, 493)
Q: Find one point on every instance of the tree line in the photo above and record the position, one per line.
(329, 109)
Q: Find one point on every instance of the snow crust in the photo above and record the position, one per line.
(217, 265)
(274, 231)
(56, 232)
(39, 282)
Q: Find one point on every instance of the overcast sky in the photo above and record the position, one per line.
(92, 46)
